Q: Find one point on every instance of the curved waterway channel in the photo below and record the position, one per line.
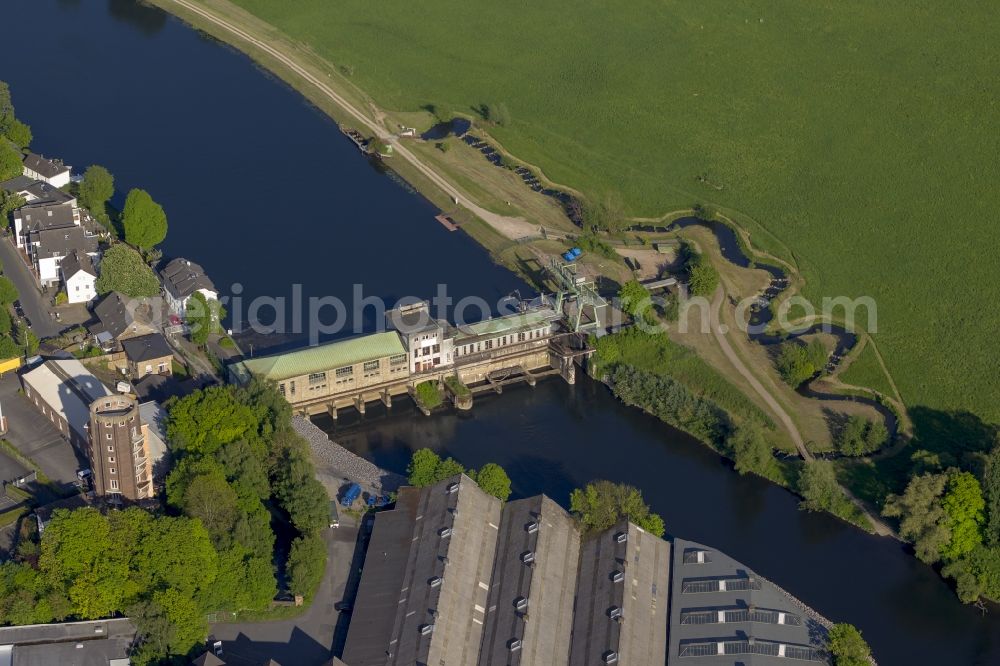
(264, 191)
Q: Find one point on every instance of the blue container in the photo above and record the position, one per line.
(576, 252)
(351, 494)
(568, 256)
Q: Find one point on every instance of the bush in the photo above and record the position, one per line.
(601, 504)
(671, 402)
(457, 387)
(798, 363)
(860, 436)
(847, 647)
(428, 394)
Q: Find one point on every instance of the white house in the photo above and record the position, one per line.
(55, 174)
(181, 280)
(79, 276)
(36, 218)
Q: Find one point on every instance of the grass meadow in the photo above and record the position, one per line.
(863, 135)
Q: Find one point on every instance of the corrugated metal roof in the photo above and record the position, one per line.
(325, 357)
(501, 325)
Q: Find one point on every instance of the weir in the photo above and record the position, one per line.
(546, 336)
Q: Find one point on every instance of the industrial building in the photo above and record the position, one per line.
(723, 614)
(451, 578)
(423, 594)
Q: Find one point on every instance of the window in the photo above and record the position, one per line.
(111, 448)
(111, 459)
(503, 340)
(281, 389)
(436, 348)
(114, 484)
(398, 359)
(292, 388)
(344, 372)
(109, 435)
(520, 337)
(112, 470)
(371, 366)
(317, 377)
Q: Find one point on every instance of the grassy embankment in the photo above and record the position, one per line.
(801, 116)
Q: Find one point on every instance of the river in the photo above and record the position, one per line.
(264, 191)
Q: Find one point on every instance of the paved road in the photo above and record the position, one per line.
(35, 436)
(36, 306)
(309, 639)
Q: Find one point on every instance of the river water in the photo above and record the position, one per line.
(264, 191)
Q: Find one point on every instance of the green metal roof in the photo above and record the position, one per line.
(501, 325)
(325, 357)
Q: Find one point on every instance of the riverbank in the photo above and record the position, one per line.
(332, 91)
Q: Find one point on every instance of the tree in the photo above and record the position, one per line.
(860, 436)
(977, 574)
(97, 186)
(703, 279)
(208, 418)
(922, 520)
(299, 492)
(143, 220)
(601, 504)
(19, 133)
(964, 507)
(991, 488)
(306, 563)
(795, 363)
(819, 487)
(211, 499)
(6, 108)
(493, 479)
(10, 160)
(123, 270)
(8, 292)
(9, 202)
(752, 453)
(5, 323)
(847, 647)
(8, 348)
(634, 298)
(427, 468)
(203, 317)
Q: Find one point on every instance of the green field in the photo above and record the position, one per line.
(864, 135)
(865, 370)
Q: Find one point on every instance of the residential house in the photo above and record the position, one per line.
(79, 276)
(48, 233)
(147, 355)
(181, 279)
(37, 192)
(38, 217)
(121, 318)
(53, 172)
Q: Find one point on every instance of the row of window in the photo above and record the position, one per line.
(427, 351)
(503, 341)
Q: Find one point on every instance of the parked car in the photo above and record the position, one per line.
(334, 514)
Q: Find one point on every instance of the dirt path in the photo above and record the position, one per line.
(720, 331)
(511, 227)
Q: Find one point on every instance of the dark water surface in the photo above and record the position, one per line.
(263, 190)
